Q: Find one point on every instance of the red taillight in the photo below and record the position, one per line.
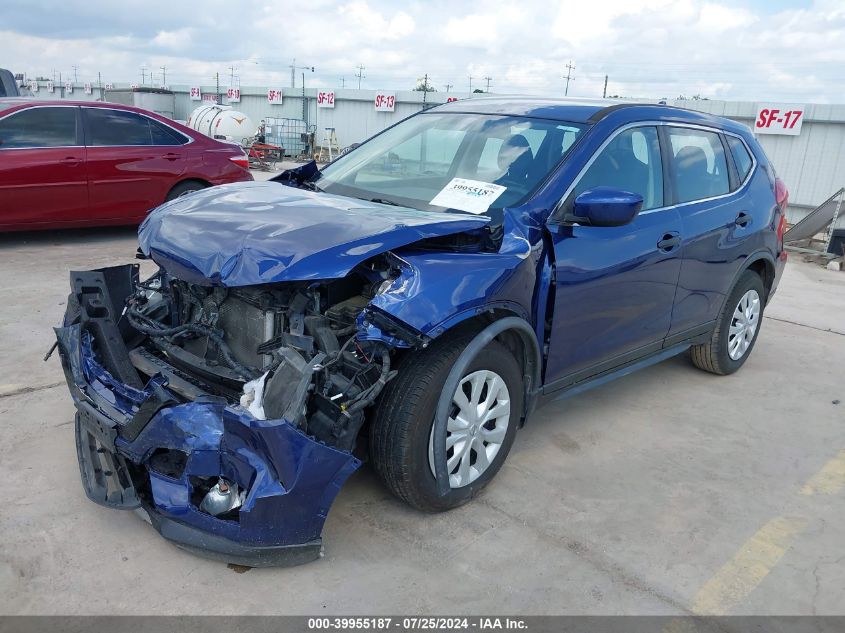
(782, 198)
(240, 161)
(781, 195)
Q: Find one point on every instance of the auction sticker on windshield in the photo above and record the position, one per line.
(472, 196)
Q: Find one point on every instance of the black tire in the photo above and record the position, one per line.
(713, 356)
(183, 188)
(402, 423)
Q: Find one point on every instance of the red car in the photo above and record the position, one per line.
(80, 163)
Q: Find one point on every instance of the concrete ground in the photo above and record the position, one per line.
(669, 491)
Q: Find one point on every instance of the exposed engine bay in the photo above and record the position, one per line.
(285, 350)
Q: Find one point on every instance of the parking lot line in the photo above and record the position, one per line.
(829, 480)
(749, 566)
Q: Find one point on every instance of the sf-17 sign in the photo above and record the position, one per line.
(779, 119)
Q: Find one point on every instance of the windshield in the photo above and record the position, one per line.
(499, 160)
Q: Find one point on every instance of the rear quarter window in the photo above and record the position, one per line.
(742, 159)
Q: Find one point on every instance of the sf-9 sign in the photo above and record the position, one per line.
(385, 102)
(325, 99)
(779, 119)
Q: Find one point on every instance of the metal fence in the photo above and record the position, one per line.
(811, 164)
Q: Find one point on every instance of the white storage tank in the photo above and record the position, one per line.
(223, 123)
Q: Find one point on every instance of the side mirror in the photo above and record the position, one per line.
(607, 206)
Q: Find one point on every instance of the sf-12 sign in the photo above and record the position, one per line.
(274, 96)
(196, 94)
(385, 102)
(233, 95)
(779, 119)
(325, 99)
(87, 88)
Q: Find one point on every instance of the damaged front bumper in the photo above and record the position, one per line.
(145, 448)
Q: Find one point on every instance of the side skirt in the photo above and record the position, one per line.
(579, 383)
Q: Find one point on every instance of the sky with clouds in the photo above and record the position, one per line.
(722, 49)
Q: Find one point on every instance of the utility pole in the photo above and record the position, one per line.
(293, 73)
(217, 81)
(448, 87)
(343, 82)
(100, 85)
(143, 75)
(232, 76)
(75, 76)
(489, 79)
(604, 92)
(360, 74)
(569, 68)
(470, 84)
(163, 75)
(425, 89)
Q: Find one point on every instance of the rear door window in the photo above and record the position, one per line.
(163, 135)
(116, 127)
(742, 159)
(39, 127)
(699, 164)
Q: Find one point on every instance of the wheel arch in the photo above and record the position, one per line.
(181, 182)
(761, 262)
(519, 338)
(515, 333)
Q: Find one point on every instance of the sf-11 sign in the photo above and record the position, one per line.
(196, 94)
(385, 102)
(325, 99)
(274, 96)
(779, 119)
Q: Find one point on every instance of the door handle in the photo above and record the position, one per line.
(669, 242)
(743, 219)
(171, 156)
(70, 161)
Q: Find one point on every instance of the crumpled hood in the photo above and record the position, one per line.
(263, 232)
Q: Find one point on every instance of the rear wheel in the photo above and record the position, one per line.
(483, 416)
(184, 188)
(737, 329)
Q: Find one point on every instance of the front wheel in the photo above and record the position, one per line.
(737, 329)
(483, 416)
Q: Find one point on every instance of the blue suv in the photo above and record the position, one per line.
(409, 304)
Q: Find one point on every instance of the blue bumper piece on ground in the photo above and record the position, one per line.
(288, 480)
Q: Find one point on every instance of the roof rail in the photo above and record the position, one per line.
(600, 114)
